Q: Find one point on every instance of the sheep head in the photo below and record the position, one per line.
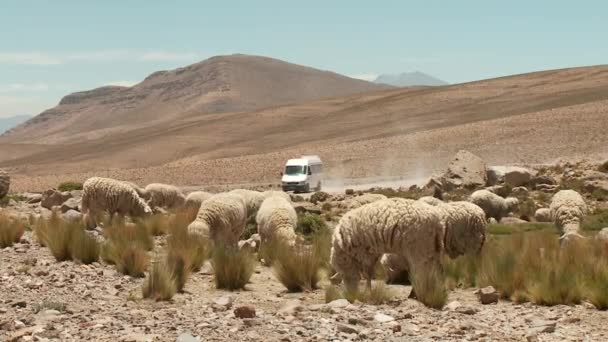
(464, 228)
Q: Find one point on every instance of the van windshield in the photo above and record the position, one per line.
(292, 170)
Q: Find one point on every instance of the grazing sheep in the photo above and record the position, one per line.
(567, 211)
(271, 193)
(5, 182)
(196, 198)
(165, 196)
(412, 230)
(430, 200)
(464, 225)
(115, 197)
(277, 219)
(253, 200)
(358, 201)
(221, 218)
(140, 191)
(494, 205)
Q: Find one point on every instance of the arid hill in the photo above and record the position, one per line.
(235, 83)
(529, 118)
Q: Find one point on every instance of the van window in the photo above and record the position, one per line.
(292, 170)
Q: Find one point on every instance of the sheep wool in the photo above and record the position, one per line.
(430, 200)
(358, 201)
(494, 205)
(196, 198)
(253, 200)
(221, 218)
(5, 183)
(140, 191)
(567, 211)
(115, 197)
(277, 219)
(272, 193)
(165, 196)
(398, 226)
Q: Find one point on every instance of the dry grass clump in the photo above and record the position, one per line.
(83, 247)
(186, 253)
(232, 268)
(379, 294)
(299, 268)
(461, 272)
(126, 247)
(11, 230)
(429, 287)
(160, 283)
(156, 225)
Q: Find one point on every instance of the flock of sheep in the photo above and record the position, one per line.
(403, 234)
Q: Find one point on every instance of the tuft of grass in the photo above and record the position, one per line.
(332, 293)
(160, 284)
(69, 186)
(232, 268)
(11, 230)
(126, 247)
(378, 295)
(83, 247)
(309, 225)
(461, 272)
(596, 221)
(429, 286)
(526, 209)
(299, 268)
(186, 253)
(319, 197)
(156, 225)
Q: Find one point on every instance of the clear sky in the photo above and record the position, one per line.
(51, 48)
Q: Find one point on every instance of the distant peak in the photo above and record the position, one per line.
(410, 79)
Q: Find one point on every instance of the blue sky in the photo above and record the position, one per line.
(51, 48)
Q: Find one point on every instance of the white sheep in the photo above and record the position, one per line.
(567, 211)
(165, 196)
(430, 200)
(253, 200)
(277, 221)
(494, 205)
(358, 201)
(196, 198)
(140, 191)
(113, 196)
(271, 193)
(221, 218)
(5, 182)
(412, 230)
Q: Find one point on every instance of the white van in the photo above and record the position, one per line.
(303, 174)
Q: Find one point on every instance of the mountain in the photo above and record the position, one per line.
(221, 84)
(10, 122)
(409, 79)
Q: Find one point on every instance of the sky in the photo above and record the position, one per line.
(51, 48)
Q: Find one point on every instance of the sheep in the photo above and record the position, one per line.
(115, 197)
(494, 205)
(5, 183)
(195, 199)
(140, 191)
(221, 218)
(271, 193)
(358, 201)
(165, 196)
(412, 230)
(464, 224)
(277, 220)
(567, 211)
(253, 200)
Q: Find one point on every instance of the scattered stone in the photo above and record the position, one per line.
(291, 307)
(338, 303)
(347, 329)
(543, 215)
(495, 175)
(245, 311)
(187, 337)
(52, 198)
(541, 326)
(466, 170)
(488, 295)
(382, 318)
(542, 180)
(224, 302)
(517, 176)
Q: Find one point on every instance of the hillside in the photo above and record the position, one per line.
(409, 79)
(7, 123)
(526, 118)
(235, 83)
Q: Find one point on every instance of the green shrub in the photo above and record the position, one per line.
(310, 224)
(319, 197)
(69, 186)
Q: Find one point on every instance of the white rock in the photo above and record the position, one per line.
(382, 318)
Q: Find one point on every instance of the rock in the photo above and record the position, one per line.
(512, 220)
(224, 302)
(543, 215)
(488, 295)
(517, 176)
(599, 187)
(382, 318)
(501, 190)
(5, 183)
(31, 198)
(338, 303)
(453, 305)
(187, 337)
(602, 235)
(20, 335)
(495, 175)
(542, 179)
(541, 326)
(466, 170)
(347, 329)
(603, 167)
(72, 216)
(546, 187)
(70, 204)
(52, 198)
(520, 192)
(245, 311)
(248, 245)
(291, 307)
(307, 207)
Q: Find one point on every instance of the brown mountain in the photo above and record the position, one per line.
(527, 118)
(235, 83)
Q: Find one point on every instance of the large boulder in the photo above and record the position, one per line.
(603, 167)
(598, 187)
(543, 215)
(517, 176)
(466, 170)
(70, 204)
(5, 183)
(495, 175)
(52, 198)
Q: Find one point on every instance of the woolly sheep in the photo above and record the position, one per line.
(221, 218)
(196, 198)
(271, 193)
(277, 219)
(358, 201)
(115, 197)
(494, 205)
(567, 211)
(140, 191)
(464, 225)
(414, 231)
(253, 199)
(5, 182)
(430, 200)
(165, 196)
